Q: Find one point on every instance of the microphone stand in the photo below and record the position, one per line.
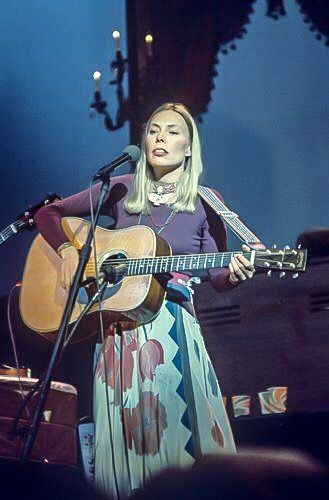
(84, 256)
(98, 296)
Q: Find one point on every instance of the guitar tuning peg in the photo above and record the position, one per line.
(299, 246)
(295, 275)
(281, 275)
(269, 274)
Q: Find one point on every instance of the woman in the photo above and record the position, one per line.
(163, 404)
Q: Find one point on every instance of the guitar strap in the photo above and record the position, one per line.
(230, 218)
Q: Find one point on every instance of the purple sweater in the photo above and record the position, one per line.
(201, 232)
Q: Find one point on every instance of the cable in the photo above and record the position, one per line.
(13, 343)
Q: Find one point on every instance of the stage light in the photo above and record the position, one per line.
(116, 35)
(149, 41)
(97, 75)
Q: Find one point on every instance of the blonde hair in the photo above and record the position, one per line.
(187, 187)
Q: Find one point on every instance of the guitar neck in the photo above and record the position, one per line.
(177, 263)
(280, 260)
(11, 230)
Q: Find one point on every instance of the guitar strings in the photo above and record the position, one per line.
(160, 259)
(131, 263)
(196, 255)
(8, 230)
(200, 256)
(134, 264)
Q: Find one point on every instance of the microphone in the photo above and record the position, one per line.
(108, 274)
(130, 153)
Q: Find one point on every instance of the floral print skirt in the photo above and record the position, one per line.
(157, 402)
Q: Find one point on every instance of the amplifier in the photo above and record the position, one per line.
(56, 439)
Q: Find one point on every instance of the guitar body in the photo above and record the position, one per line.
(134, 299)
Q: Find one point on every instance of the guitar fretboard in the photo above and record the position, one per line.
(154, 265)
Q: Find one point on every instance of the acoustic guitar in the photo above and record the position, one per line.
(137, 258)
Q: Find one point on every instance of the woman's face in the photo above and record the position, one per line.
(167, 141)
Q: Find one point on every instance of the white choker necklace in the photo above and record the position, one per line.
(160, 192)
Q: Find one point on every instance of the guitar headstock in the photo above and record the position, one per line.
(27, 217)
(285, 260)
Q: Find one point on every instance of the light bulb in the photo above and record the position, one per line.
(96, 77)
(149, 41)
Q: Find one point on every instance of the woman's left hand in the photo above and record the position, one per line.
(240, 268)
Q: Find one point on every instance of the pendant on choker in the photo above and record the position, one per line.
(158, 196)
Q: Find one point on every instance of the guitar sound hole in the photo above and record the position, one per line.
(115, 271)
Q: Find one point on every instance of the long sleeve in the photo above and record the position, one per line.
(48, 218)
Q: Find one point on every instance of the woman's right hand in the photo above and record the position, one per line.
(70, 259)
